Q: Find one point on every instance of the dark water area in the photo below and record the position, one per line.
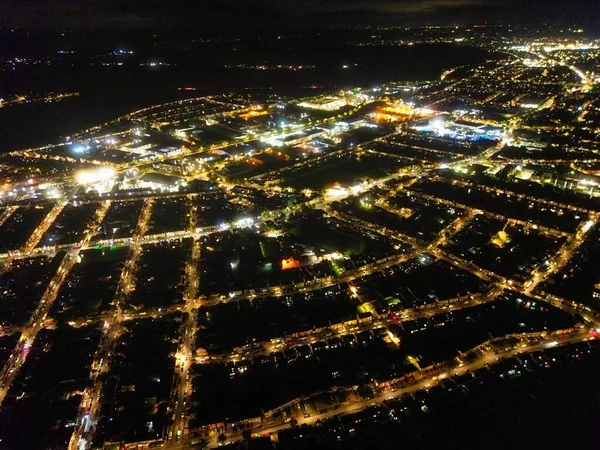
(107, 92)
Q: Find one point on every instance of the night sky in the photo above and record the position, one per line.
(264, 13)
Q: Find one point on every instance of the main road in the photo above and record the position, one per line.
(185, 356)
(37, 320)
(433, 378)
(90, 404)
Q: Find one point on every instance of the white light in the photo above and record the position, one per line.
(336, 192)
(587, 226)
(244, 223)
(438, 125)
(93, 176)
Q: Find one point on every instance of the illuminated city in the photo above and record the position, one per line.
(299, 263)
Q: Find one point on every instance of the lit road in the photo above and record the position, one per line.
(91, 401)
(119, 242)
(6, 213)
(562, 256)
(36, 322)
(511, 220)
(432, 376)
(336, 330)
(185, 355)
(359, 272)
(177, 435)
(225, 144)
(46, 223)
(570, 307)
(540, 201)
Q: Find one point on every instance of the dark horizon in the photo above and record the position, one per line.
(235, 15)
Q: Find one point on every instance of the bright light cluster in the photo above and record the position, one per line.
(94, 176)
